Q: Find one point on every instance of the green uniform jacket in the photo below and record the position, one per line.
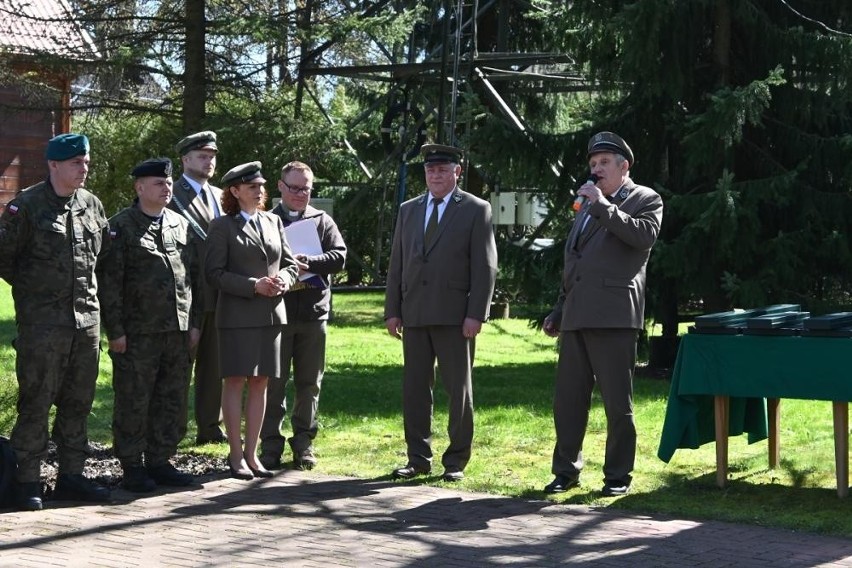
(49, 246)
(149, 286)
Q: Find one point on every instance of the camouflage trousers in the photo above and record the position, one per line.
(55, 366)
(151, 384)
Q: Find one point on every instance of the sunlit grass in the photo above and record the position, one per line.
(361, 429)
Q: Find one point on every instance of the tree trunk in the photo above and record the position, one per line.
(303, 22)
(194, 74)
(722, 42)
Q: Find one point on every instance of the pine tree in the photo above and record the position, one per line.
(739, 113)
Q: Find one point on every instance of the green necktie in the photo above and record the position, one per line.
(432, 225)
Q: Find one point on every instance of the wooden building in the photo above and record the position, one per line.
(42, 48)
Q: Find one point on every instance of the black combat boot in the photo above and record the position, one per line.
(75, 487)
(28, 497)
(136, 479)
(167, 474)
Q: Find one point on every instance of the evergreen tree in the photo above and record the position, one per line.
(738, 112)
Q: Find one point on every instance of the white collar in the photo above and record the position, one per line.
(194, 184)
(248, 217)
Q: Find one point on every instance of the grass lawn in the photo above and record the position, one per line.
(361, 429)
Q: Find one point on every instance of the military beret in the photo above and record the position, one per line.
(609, 142)
(439, 153)
(199, 141)
(155, 167)
(244, 173)
(67, 146)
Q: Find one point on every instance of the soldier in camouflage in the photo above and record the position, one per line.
(151, 297)
(51, 236)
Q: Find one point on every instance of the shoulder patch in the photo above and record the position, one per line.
(113, 233)
(12, 208)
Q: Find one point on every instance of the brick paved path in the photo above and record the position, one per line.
(305, 519)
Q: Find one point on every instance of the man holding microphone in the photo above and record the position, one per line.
(600, 311)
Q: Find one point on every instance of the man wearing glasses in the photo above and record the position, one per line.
(308, 305)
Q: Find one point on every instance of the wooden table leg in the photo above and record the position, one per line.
(841, 446)
(774, 414)
(721, 405)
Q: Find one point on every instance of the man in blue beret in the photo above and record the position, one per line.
(199, 202)
(152, 306)
(599, 313)
(51, 236)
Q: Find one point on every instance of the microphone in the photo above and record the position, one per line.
(581, 199)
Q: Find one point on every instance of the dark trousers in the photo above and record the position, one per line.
(55, 366)
(422, 346)
(303, 349)
(208, 381)
(151, 385)
(608, 357)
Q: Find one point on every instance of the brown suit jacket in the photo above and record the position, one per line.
(236, 257)
(195, 212)
(452, 280)
(603, 282)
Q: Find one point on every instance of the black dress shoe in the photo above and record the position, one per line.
(240, 473)
(304, 459)
(258, 472)
(29, 496)
(452, 474)
(615, 489)
(75, 487)
(136, 480)
(409, 471)
(561, 484)
(220, 439)
(167, 474)
(270, 461)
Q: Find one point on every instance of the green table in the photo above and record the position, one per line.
(730, 384)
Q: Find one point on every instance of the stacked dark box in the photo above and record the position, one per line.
(838, 324)
(736, 321)
(779, 323)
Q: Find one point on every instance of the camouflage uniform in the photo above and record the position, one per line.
(149, 279)
(49, 246)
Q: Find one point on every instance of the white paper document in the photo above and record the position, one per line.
(303, 238)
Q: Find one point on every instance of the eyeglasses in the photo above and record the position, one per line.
(297, 190)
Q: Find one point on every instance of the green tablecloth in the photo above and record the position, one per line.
(748, 368)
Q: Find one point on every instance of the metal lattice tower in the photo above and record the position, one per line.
(461, 51)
